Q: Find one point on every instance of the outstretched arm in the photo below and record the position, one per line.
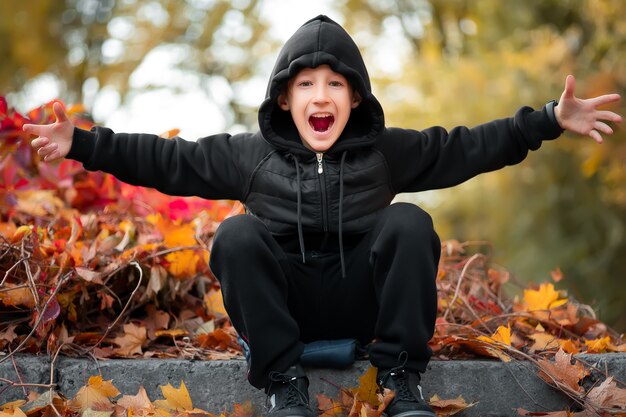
(582, 116)
(54, 140)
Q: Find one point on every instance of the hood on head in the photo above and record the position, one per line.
(320, 41)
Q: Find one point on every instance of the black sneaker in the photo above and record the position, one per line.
(408, 400)
(288, 394)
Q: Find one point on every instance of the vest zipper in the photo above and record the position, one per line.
(320, 167)
(320, 172)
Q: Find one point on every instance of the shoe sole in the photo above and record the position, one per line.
(414, 414)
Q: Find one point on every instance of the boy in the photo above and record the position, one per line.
(325, 254)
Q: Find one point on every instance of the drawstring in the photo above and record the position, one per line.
(300, 236)
(340, 228)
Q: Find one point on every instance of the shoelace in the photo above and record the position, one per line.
(295, 397)
(403, 393)
(402, 390)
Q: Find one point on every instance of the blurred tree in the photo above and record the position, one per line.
(90, 45)
(469, 62)
(443, 62)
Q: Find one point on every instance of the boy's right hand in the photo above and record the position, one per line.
(54, 140)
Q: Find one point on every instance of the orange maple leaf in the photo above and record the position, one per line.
(329, 407)
(608, 394)
(139, 404)
(96, 393)
(449, 407)
(562, 370)
(15, 295)
(134, 337)
(544, 298)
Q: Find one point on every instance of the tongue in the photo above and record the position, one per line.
(321, 124)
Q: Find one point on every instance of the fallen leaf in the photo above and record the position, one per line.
(368, 388)
(544, 298)
(215, 303)
(557, 275)
(449, 407)
(544, 341)
(176, 399)
(329, 407)
(563, 371)
(132, 341)
(608, 394)
(94, 393)
(139, 404)
(501, 335)
(16, 296)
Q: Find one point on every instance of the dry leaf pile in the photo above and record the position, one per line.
(91, 265)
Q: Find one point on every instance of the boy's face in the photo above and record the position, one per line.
(320, 101)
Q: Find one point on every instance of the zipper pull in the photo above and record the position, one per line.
(320, 167)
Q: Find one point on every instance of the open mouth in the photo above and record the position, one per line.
(321, 122)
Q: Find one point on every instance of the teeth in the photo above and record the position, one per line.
(321, 115)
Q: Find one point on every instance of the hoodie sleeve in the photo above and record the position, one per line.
(206, 168)
(435, 158)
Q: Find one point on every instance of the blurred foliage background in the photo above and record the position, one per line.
(437, 62)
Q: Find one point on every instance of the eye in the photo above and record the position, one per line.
(335, 84)
(305, 84)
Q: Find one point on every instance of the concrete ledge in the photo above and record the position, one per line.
(215, 386)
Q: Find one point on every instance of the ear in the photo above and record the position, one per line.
(283, 101)
(356, 99)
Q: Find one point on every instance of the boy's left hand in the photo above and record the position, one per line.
(582, 116)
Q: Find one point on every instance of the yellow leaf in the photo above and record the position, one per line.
(503, 335)
(182, 263)
(95, 392)
(543, 299)
(598, 345)
(175, 399)
(215, 302)
(368, 388)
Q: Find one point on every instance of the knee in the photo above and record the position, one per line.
(236, 234)
(410, 222)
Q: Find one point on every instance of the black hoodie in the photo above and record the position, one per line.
(282, 183)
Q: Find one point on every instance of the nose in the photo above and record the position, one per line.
(321, 94)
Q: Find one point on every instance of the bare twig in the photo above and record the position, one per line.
(41, 317)
(112, 325)
(460, 280)
(8, 271)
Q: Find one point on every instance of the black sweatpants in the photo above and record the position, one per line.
(277, 303)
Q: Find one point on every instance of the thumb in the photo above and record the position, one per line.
(59, 112)
(570, 85)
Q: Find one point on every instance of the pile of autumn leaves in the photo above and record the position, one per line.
(135, 264)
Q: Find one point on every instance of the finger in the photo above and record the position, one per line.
(32, 129)
(570, 85)
(47, 150)
(595, 136)
(39, 142)
(59, 112)
(603, 127)
(604, 99)
(609, 115)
